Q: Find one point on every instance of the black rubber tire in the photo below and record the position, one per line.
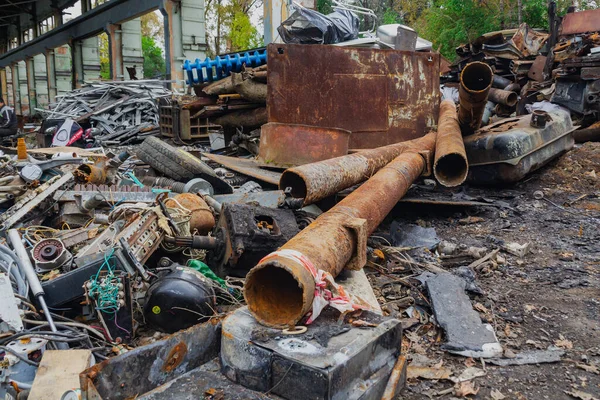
(171, 161)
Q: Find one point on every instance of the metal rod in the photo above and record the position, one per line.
(29, 272)
(505, 97)
(318, 180)
(450, 166)
(281, 288)
(475, 82)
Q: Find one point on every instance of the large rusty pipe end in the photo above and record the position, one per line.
(450, 166)
(505, 97)
(293, 179)
(279, 291)
(475, 82)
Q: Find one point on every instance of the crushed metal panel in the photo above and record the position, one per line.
(381, 96)
(581, 22)
(247, 167)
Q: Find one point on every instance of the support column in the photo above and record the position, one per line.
(31, 88)
(90, 59)
(115, 45)
(125, 43)
(23, 88)
(4, 83)
(41, 81)
(62, 68)
(185, 35)
(77, 57)
(51, 75)
(16, 96)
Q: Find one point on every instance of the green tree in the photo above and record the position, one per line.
(242, 34)
(154, 60)
(104, 56)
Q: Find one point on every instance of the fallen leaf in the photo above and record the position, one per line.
(497, 395)
(589, 368)
(469, 362)
(413, 372)
(581, 395)
(469, 374)
(464, 389)
(480, 307)
(507, 330)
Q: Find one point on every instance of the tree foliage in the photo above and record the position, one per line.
(230, 27)
(154, 60)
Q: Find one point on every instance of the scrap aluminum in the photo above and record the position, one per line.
(124, 111)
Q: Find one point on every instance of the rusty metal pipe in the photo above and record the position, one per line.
(500, 82)
(589, 134)
(504, 97)
(318, 180)
(90, 173)
(450, 165)
(475, 82)
(280, 289)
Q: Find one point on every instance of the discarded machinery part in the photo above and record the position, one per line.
(290, 145)
(539, 118)
(513, 87)
(213, 203)
(403, 88)
(32, 200)
(198, 185)
(315, 181)
(280, 290)
(175, 186)
(589, 134)
(450, 165)
(500, 82)
(397, 379)
(475, 82)
(7, 179)
(101, 219)
(247, 167)
(503, 111)
(296, 330)
(505, 97)
(27, 268)
(538, 195)
(90, 173)
(224, 65)
(249, 187)
(142, 235)
(202, 218)
(14, 188)
(49, 254)
(194, 242)
(33, 171)
(182, 298)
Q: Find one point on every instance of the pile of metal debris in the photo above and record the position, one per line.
(159, 271)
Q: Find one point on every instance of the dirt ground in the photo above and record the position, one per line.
(549, 297)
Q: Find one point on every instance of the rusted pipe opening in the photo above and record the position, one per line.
(476, 77)
(451, 170)
(296, 182)
(511, 99)
(274, 295)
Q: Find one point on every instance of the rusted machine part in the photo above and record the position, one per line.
(500, 82)
(315, 181)
(202, 218)
(505, 97)
(589, 134)
(289, 145)
(450, 166)
(91, 173)
(513, 87)
(475, 82)
(280, 289)
(396, 380)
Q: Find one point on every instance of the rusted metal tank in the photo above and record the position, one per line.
(475, 82)
(289, 145)
(315, 181)
(202, 218)
(381, 96)
(281, 288)
(450, 165)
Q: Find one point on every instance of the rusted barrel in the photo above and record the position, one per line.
(315, 181)
(475, 82)
(450, 166)
(281, 288)
(504, 97)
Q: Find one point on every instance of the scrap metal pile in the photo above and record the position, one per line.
(123, 112)
(159, 272)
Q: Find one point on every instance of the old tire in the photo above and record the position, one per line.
(171, 161)
(178, 164)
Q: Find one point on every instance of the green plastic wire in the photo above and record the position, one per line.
(105, 291)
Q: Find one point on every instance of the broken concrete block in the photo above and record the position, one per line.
(466, 335)
(328, 361)
(516, 249)
(59, 372)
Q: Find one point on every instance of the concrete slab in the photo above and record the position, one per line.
(329, 361)
(466, 335)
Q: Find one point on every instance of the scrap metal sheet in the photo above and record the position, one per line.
(381, 96)
(580, 22)
(245, 166)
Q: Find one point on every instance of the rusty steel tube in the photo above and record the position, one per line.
(500, 82)
(280, 289)
(475, 82)
(504, 97)
(589, 134)
(321, 179)
(450, 165)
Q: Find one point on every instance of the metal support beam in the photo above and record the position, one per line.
(77, 57)
(87, 25)
(23, 90)
(51, 75)
(115, 44)
(4, 83)
(31, 93)
(14, 68)
(62, 63)
(41, 81)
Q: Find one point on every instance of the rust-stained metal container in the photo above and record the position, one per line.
(202, 219)
(580, 22)
(381, 96)
(289, 145)
(511, 148)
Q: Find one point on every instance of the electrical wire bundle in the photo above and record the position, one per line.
(106, 289)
